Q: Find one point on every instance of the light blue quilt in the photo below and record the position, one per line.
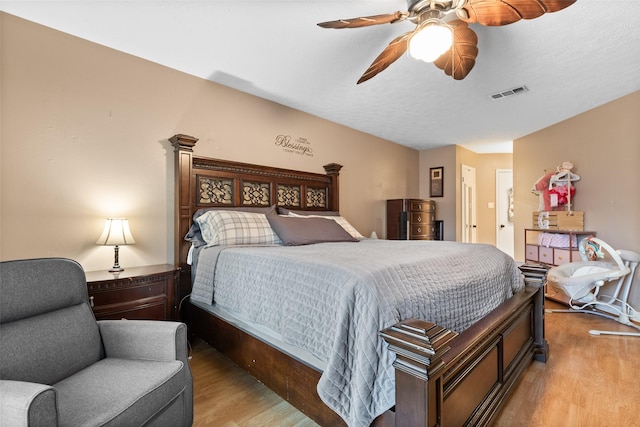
(332, 299)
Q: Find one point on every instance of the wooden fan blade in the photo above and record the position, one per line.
(461, 58)
(503, 12)
(366, 21)
(556, 5)
(389, 55)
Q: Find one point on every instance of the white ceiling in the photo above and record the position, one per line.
(571, 61)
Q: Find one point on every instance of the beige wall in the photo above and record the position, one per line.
(604, 146)
(447, 207)
(486, 167)
(84, 136)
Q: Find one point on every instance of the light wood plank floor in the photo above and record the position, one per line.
(588, 381)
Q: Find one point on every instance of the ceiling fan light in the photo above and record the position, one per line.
(430, 42)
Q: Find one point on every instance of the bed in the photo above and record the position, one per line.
(385, 356)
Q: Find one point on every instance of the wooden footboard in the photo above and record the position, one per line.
(466, 378)
(464, 382)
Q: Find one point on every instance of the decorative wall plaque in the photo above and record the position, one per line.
(299, 145)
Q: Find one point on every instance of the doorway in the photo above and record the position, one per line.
(504, 211)
(468, 205)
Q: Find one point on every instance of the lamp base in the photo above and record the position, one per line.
(116, 264)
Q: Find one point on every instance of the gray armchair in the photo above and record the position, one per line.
(59, 367)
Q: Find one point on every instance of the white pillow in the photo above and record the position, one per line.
(226, 227)
(339, 219)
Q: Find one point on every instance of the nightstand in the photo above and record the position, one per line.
(135, 293)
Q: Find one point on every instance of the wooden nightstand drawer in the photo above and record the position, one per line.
(125, 293)
(146, 309)
(135, 293)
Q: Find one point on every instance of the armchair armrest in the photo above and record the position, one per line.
(27, 404)
(144, 339)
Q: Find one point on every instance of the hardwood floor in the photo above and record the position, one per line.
(226, 396)
(588, 381)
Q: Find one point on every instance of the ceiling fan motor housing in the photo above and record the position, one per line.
(416, 7)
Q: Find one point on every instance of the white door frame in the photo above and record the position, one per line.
(468, 204)
(504, 211)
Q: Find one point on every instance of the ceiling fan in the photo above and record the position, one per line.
(454, 46)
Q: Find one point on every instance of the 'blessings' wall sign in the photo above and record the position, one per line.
(300, 146)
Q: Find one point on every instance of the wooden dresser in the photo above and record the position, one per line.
(411, 219)
(135, 293)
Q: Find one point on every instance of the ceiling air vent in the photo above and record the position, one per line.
(509, 92)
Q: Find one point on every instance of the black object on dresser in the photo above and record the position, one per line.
(135, 293)
(411, 219)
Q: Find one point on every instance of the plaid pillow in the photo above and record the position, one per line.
(194, 235)
(236, 228)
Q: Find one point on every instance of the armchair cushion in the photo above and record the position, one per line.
(119, 392)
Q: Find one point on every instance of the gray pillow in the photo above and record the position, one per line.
(306, 231)
(285, 211)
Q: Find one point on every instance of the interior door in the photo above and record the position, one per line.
(504, 210)
(469, 229)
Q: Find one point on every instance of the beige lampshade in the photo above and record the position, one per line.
(116, 232)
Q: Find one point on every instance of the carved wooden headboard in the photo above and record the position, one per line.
(202, 182)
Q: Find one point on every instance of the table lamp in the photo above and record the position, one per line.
(116, 232)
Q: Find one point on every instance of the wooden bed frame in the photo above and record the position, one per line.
(447, 380)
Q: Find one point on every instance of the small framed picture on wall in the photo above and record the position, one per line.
(436, 181)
